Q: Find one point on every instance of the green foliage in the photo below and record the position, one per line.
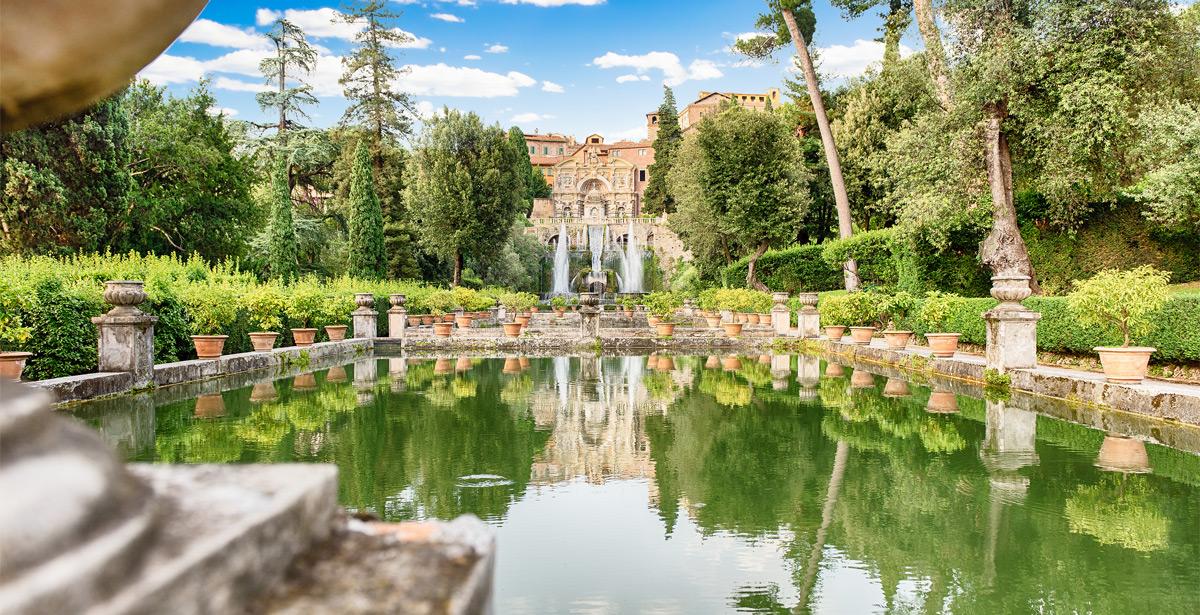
(936, 309)
(795, 269)
(1125, 300)
(64, 339)
(1170, 155)
(265, 307)
(658, 198)
(211, 307)
(855, 309)
(663, 304)
(285, 73)
(367, 256)
(281, 261)
(517, 302)
(535, 182)
(734, 299)
(306, 304)
(558, 301)
(370, 74)
(1119, 510)
(873, 252)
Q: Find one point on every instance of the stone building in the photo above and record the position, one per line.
(708, 103)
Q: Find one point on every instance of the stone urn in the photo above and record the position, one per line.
(397, 301)
(942, 402)
(835, 332)
(1010, 291)
(304, 336)
(807, 300)
(209, 346)
(862, 335)
(364, 301)
(12, 364)
(263, 341)
(943, 345)
(1125, 364)
(124, 296)
(336, 333)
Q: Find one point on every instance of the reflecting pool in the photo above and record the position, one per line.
(677, 484)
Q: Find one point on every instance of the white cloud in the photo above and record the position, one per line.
(842, 61)
(497, 48)
(547, 3)
(447, 17)
(529, 118)
(628, 78)
(553, 88)
(444, 80)
(668, 63)
(240, 62)
(316, 23)
(226, 111)
(411, 41)
(472, 57)
(209, 32)
(168, 68)
(264, 17)
(237, 85)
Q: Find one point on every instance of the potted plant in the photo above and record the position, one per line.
(863, 311)
(336, 309)
(662, 306)
(559, 303)
(12, 331)
(305, 306)
(440, 302)
(1124, 302)
(264, 306)
(730, 301)
(935, 312)
(210, 308)
(894, 309)
(834, 316)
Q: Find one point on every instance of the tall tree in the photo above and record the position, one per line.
(281, 247)
(535, 183)
(784, 21)
(935, 53)
(895, 22)
(369, 77)
(464, 189)
(367, 256)
(658, 198)
(285, 71)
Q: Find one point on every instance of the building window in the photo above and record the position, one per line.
(641, 152)
(560, 151)
(532, 150)
(545, 150)
(616, 153)
(641, 175)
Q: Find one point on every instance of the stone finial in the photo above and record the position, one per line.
(397, 300)
(124, 296)
(780, 299)
(364, 301)
(1011, 290)
(126, 334)
(808, 301)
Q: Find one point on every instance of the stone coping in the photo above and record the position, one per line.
(1153, 398)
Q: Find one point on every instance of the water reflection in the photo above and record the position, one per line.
(701, 484)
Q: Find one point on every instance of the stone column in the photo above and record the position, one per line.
(1011, 327)
(126, 334)
(689, 307)
(365, 323)
(589, 311)
(397, 316)
(809, 318)
(781, 316)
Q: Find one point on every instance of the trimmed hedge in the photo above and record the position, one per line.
(794, 269)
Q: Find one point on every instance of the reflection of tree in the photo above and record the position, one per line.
(726, 389)
(1118, 510)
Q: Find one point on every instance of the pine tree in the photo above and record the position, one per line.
(368, 78)
(525, 169)
(293, 58)
(282, 251)
(657, 198)
(368, 259)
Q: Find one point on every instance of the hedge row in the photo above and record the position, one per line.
(795, 269)
(46, 305)
(1176, 332)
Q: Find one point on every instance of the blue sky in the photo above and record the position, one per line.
(569, 66)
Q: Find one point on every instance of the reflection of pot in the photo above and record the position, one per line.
(732, 329)
(862, 380)
(443, 366)
(1125, 365)
(512, 366)
(462, 364)
(336, 333)
(512, 329)
(943, 344)
(263, 341)
(712, 363)
(834, 370)
(895, 387)
(942, 402)
(731, 363)
(263, 391)
(665, 364)
(12, 364)
(304, 337)
(443, 329)
(336, 374)
(209, 346)
(305, 382)
(862, 335)
(1123, 454)
(765, 359)
(835, 332)
(210, 406)
(897, 340)
(524, 361)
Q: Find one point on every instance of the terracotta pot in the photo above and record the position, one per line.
(443, 366)
(511, 366)
(862, 335)
(560, 311)
(732, 329)
(263, 341)
(304, 337)
(764, 319)
(336, 374)
(764, 359)
(712, 362)
(443, 329)
(336, 333)
(462, 364)
(209, 346)
(835, 332)
(512, 329)
(942, 402)
(1123, 454)
(665, 364)
(895, 387)
(414, 321)
(263, 391)
(628, 313)
(463, 322)
(897, 340)
(752, 319)
(665, 329)
(534, 309)
(210, 406)
(731, 363)
(305, 382)
(1125, 365)
(713, 321)
(653, 320)
(943, 344)
(522, 320)
(427, 319)
(862, 380)
(12, 364)
(448, 318)
(835, 370)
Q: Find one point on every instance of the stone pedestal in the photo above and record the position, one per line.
(781, 370)
(365, 318)
(589, 312)
(809, 319)
(781, 316)
(397, 317)
(126, 334)
(1011, 327)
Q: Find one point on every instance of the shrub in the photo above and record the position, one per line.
(663, 304)
(871, 250)
(1122, 300)
(440, 302)
(894, 308)
(856, 309)
(936, 309)
(211, 308)
(558, 302)
(265, 307)
(791, 270)
(306, 306)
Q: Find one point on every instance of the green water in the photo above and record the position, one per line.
(636, 485)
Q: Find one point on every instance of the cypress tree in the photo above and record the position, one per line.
(525, 169)
(368, 258)
(658, 199)
(282, 244)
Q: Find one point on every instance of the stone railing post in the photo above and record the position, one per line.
(781, 316)
(397, 316)
(809, 319)
(365, 324)
(1011, 327)
(126, 334)
(589, 311)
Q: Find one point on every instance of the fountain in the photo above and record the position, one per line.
(562, 276)
(633, 267)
